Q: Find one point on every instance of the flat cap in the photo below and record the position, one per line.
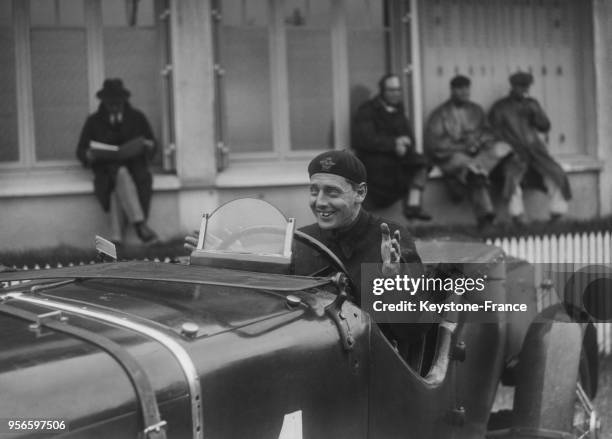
(342, 163)
(521, 78)
(460, 81)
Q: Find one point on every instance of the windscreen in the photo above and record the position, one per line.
(247, 226)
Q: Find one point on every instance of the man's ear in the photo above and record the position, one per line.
(362, 191)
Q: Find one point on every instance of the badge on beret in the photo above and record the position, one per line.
(327, 163)
(339, 162)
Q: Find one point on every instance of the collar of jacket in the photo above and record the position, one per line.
(348, 239)
(386, 107)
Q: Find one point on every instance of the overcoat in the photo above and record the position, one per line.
(374, 131)
(450, 133)
(519, 121)
(98, 128)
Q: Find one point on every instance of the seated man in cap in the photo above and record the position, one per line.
(117, 143)
(383, 140)
(458, 141)
(519, 119)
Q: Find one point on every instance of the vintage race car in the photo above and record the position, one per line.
(239, 344)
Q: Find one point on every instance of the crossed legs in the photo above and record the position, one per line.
(125, 205)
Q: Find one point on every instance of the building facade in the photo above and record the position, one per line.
(241, 94)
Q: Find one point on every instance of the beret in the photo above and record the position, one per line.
(521, 78)
(342, 163)
(460, 81)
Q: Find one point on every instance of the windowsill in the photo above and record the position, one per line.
(580, 163)
(37, 182)
(75, 181)
(243, 175)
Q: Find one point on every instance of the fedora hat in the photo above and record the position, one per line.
(113, 88)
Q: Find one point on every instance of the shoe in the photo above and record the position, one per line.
(416, 212)
(145, 233)
(519, 221)
(555, 217)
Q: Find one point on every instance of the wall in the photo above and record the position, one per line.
(602, 32)
(50, 220)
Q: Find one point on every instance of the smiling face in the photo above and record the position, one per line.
(333, 200)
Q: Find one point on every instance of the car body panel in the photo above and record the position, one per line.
(267, 350)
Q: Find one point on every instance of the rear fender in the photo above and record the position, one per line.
(546, 377)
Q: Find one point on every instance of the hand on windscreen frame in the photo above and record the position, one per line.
(191, 241)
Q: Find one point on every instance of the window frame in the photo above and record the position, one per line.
(279, 87)
(94, 34)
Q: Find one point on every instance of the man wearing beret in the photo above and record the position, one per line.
(122, 180)
(519, 119)
(383, 140)
(459, 142)
(338, 189)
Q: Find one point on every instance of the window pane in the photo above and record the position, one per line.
(64, 13)
(59, 76)
(132, 53)
(309, 66)
(306, 13)
(367, 48)
(123, 13)
(9, 147)
(549, 39)
(59, 87)
(244, 55)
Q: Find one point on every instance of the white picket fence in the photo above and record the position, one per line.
(571, 251)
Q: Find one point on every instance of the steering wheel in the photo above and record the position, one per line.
(335, 264)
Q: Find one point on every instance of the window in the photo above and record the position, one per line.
(290, 72)
(132, 53)
(368, 36)
(245, 57)
(9, 148)
(309, 74)
(58, 59)
(54, 56)
(489, 40)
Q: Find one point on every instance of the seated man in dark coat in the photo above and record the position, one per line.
(519, 119)
(459, 142)
(117, 143)
(383, 140)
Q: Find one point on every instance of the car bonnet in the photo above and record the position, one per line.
(206, 300)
